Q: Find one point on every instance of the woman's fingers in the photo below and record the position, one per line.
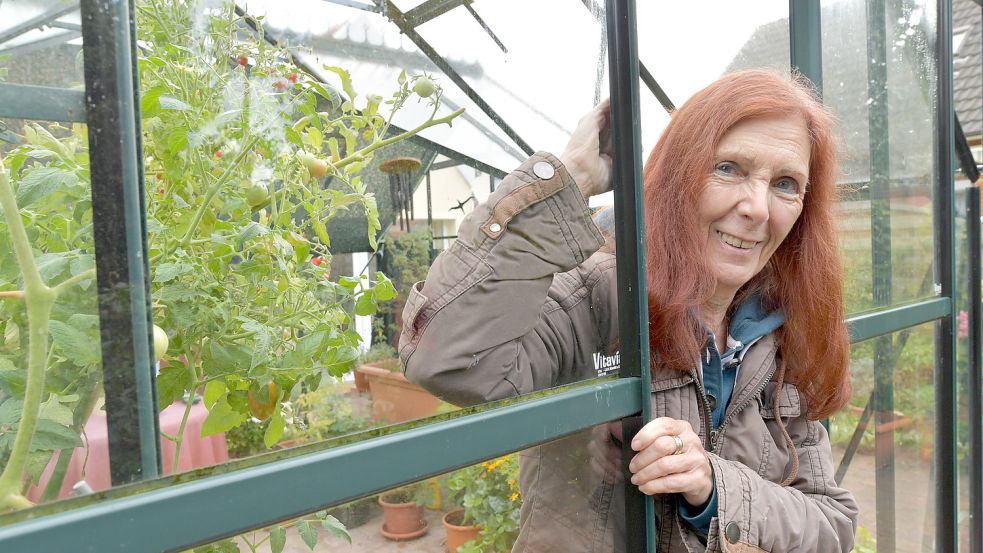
(659, 468)
(587, 156)
(656, 428)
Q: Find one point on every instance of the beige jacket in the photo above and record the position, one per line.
(521, 302)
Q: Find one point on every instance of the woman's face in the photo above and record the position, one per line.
(752, 197)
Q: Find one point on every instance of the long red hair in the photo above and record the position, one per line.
(803, 277)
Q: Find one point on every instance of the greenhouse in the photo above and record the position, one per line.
(401, 275)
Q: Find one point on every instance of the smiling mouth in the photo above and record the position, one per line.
(732, 240)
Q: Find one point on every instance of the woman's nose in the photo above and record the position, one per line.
(754, 204)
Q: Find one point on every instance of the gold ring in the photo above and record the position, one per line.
(679, 445)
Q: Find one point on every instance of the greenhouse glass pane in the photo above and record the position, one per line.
(558, 496)
(38, 26)
(719, 37)
(45, 180)
(888, 170)
(286, 227)
(883, 440)
(540, 77)
(374, 51)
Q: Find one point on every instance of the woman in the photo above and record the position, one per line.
(745, 307)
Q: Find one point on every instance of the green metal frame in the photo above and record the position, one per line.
(203, 507)
(42, 103)
(198, 503)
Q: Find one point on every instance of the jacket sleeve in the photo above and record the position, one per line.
(811, 514)
(481, 328)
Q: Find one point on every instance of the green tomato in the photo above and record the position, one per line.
(161, 342)
(424, 87)
(257, 194)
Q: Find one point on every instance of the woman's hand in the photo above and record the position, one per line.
(657, 468)
(587, 156)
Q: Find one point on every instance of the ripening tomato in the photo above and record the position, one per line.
(242, 59)
(316, 260)
(315, 166)
(262, 408)
(293, 77)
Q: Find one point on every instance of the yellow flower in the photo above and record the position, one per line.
(492, 465)
(515, 495)
(511, 483)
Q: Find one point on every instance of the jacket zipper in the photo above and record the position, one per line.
(711, 435)
(715, 435)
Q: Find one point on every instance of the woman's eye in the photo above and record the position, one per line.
(787, 185)
(726, 168)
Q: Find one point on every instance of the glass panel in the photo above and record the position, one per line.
(883, 441)
(374, 51)
(888, 172)
(730, 36)
(540, 78)
(40, 42)
(483, 508)
(46, 249)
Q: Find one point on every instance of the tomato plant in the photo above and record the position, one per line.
(236, 218)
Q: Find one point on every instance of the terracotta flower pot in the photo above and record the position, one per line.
(458, 535)
(361, 382)
(395, 399)
(402, 521)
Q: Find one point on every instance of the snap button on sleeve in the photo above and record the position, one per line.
(495, 227)
(543, 170)
(733, 532)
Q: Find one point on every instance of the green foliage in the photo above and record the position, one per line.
(382, 355)
(236, 144)
(866, 542)
(407, 260)
(325, 413)
(489, 493)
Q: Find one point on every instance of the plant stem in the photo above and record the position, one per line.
(210, 193)
(39, 299)
(86, 402)
(85, 275)
(359, 155)
(179, 438)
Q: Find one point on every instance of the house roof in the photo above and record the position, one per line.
(967, 62)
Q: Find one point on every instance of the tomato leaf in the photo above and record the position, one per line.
(346, 80)
(50, 265)
(171, 384)
(213, 391)
(80, 348)
(170, 102)
(221, 418)
(278, 539)
(384, 289)
(167, 272)
(365, 305)
(336, 528)
(275, 429)
(308, 532)
(43, 182)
